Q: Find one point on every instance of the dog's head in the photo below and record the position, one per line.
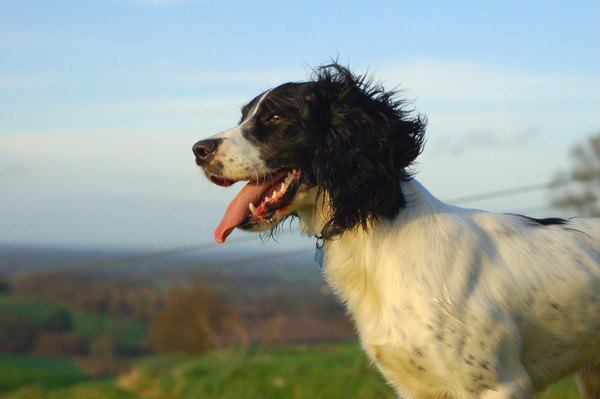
(337, 139)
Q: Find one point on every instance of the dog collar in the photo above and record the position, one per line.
(319, 252)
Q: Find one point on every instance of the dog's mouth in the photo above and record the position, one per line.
(259, 203)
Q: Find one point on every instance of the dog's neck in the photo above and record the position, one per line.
(419, 202)
(352, 259)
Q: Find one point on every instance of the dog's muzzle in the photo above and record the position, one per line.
(205, 150)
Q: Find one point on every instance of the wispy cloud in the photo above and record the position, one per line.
(14, 82)
(477, 107)
(13, 170)
(253, 77)
(169, 104)
(486, 140)
(465, 81)
(161, 2)
(469, 105)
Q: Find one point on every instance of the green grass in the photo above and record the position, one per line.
(38, 309)
(292, 372)
(565, 389)
(88, 390)
(299, 372)
(332, 371)
(46, 373)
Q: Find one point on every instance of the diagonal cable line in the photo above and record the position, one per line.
(507, 192)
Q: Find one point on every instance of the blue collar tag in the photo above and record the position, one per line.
(319, 252)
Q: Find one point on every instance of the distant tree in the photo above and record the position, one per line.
(583, 195)
(114, 294)
(60, 343)
(191, 320)
(102, 346)
(4, 284)
(102, 359)
(17, 335)
(59, 320)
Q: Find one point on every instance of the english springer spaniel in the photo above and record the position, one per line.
(448, 302)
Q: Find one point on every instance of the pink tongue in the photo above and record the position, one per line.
(238, 208)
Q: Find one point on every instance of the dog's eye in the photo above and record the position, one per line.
(275, 118)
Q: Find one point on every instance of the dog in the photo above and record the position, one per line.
(448, 302)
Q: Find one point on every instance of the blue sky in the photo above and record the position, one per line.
(100, 101)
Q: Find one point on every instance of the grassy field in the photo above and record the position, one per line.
(38, 309)
(47, 373)
(294, 372)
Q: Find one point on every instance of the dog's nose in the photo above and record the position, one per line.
(204, 150)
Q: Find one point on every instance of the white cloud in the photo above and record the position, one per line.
(472, 106)
(463, 81)
(168, 104)
(12, 82)
(486, 140)
(267, 78)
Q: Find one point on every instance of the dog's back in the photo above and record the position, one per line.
(591, 228)
(564, 311)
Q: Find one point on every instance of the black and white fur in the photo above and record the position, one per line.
(448, 302)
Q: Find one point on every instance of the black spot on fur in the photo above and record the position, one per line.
(490, 387)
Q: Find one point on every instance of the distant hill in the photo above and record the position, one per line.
(262, 285)
(285, 264)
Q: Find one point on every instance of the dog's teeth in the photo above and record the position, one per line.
(252, 207)
(282, 188)
(267, 199)
(274, 194)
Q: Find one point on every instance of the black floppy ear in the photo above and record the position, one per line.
(364, 148)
